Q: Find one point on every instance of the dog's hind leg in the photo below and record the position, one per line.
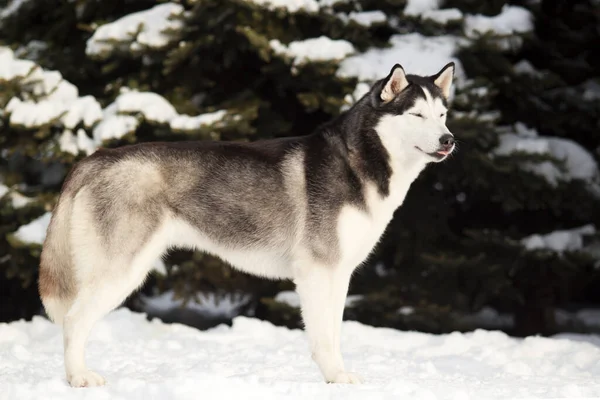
(96, 300)
(322, 292)
(111, 262)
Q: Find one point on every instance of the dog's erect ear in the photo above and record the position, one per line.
(396, 82)
(443, 79)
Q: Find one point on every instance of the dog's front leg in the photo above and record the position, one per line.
(322, 292)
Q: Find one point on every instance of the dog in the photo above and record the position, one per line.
(308, 208)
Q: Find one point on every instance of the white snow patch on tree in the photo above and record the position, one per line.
(226, 305)
(185, 122)
(19, 201)
(316, 49)
(416, 53)
(443, 16)
(289, 5)
(68, 142)
(29, 114)
(3, 190)
(45, 97)
(559, 241)
(12, 68)
(155, 28)
(292, 299)
(152, 106)
(119, 117)
(418, 7)
(84, 109)
(511, 20)
(364, 18)
(114, 127)
(577, 162)
(35, 231)
(11, 8)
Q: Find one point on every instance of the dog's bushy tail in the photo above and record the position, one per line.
(57, 280)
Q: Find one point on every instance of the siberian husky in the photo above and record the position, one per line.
(308, 208)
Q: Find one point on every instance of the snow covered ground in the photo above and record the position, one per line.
(254, 359)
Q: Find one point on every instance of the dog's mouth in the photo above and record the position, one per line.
(438, 154)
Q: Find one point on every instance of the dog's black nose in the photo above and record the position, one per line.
(447, 141)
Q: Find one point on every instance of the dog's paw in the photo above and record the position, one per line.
(346, 377)
(85, 379)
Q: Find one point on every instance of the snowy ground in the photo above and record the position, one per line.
(254, 359)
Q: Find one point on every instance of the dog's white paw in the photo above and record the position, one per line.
(346, 377)
(85, 378)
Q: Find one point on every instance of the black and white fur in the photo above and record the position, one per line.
(308, 208)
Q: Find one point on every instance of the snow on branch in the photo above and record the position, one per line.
(33, 232)
(418, 54)
(511, 20)
(120, 117)
(364, 18)
(559, 241)
(577, 162)
(154, 28)
(45, 97)
(289, 5)
(315, 49)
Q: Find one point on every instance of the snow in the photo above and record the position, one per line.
(117, 121)
(255, 360)
(416, 53)
(3, 190)
(443, 16)
(114, 127)
(487, 318)
(559, 241)
(18, 200)
(154, 28)
(289, 5)
(185, 122)
(418, 7)
(578, 162)
(591, 90)
(12, 7)
(46, 97)
(364, 18)
(292, 299)
(406, 310)
(524, 67)
(152, 106)
(30, 114)
(511, 20)
(84, 109)
(68, 142)
(11, 68)
(208, 304)
(33, 232)
(586, 317)
(315, 49)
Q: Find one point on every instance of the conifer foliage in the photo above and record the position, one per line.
(503, 235)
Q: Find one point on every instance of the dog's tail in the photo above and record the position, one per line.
(57, 280)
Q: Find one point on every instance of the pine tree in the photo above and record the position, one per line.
(465, 238)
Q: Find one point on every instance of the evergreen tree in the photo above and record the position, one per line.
(471, 232)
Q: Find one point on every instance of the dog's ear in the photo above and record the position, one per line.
(443, 79)
(394, 83)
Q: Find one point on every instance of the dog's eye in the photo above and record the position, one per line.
(442, 115)
(417, 115)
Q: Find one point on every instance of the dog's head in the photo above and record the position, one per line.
(412, 112)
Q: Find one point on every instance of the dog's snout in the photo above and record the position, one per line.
(447, 141)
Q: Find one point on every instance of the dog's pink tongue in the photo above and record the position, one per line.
(443, 152)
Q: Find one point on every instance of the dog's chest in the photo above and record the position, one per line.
(359, 229)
